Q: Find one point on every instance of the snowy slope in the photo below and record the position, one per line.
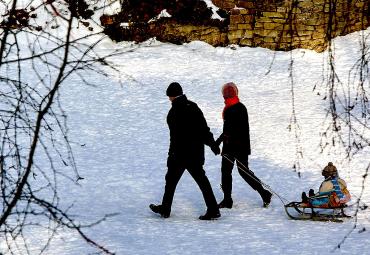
(125, 137)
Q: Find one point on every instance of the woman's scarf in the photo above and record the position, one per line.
(230, 102)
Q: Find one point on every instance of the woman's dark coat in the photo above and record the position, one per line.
(235, 136)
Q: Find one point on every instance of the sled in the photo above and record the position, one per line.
(305, 211)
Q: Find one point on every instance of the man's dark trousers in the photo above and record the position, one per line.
(173, 176)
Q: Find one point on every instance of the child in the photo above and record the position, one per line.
(332, 193)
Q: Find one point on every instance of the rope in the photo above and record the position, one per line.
(359, 200)
(246, 170)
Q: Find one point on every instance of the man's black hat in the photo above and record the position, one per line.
(174, 90)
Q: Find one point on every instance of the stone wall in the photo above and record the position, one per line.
(273, 24)
(285, 25)
(180, 33)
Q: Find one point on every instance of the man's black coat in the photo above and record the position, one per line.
(189, 133)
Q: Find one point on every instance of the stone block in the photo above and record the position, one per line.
(233, 40)
(258, 25)
(282, 9)
(296, 11)
(270, 45)
(273, 26)
(306, 4)
(218, 3)
(281, 21)
(285, 39)
(303, 38)
(318, 36)
(265, 20)
(306, 16)
(238, 11)
(246, 42)
(248, 34)
(327, 9)
(257, 41)
(213, 39)
(237, 34)
(269, 39)
(360, 4)
(228, 5)
(236, 19)
(233, 27)
(302, 33)
(320, 41)
(314, 22)
(321, 29)
(245, 4)
(224, 4)
(274, 15)
(359, 26)
(319, 2)
(235, 11)
(301, 27)
(245, 26)
(245, 11)
(264, 33)
(248, 18)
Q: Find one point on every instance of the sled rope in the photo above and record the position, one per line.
(359, 200)
(245, 170)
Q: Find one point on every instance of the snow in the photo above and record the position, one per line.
(122, 125)
(214, 9)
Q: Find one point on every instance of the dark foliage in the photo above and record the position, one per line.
(80, 9)
(184, 11)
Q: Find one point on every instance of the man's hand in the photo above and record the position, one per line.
(216, 149)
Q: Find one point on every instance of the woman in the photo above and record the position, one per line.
(236, 147)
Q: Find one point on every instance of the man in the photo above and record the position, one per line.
(188, 134)
(236, 147)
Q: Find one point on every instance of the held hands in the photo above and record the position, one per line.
(219, 140)
(215, 148)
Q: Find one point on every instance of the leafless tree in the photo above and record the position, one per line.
(348, 113)
(43, 44)
(348, 109)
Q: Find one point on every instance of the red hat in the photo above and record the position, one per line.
(229, 90)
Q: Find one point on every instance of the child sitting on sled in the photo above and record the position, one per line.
(333, 190)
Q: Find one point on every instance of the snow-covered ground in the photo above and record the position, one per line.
(125, 136)
(124, 160)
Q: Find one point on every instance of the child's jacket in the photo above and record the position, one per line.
(333, 192)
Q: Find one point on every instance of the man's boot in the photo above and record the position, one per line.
(210, 215)
(160, 210)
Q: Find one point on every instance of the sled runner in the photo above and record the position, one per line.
(305, 211)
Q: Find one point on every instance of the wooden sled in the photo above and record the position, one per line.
(304, 211)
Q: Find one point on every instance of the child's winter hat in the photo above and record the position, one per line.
(229, 90)
(330, 170)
